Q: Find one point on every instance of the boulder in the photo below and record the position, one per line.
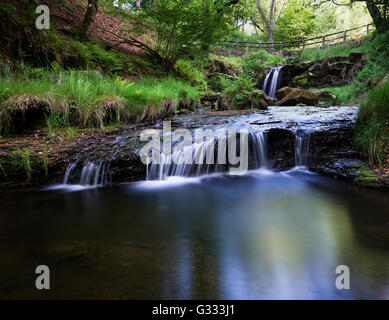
(218, 66)
(283, 92)
(299, 96)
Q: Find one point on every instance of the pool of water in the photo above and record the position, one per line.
(262, 235)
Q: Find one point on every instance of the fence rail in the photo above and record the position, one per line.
(321, 41)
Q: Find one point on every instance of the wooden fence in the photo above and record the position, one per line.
(280, 46)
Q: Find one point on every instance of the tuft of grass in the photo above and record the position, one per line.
(88, 99)
(372, 127)
(23, 156)
(45, 161)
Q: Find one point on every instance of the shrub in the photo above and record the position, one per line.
(192, 73)
(239, 92)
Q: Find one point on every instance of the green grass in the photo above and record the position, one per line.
(372, 127)
(87, 99)
(344, 95)
(345, 49)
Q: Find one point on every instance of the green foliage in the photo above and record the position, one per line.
(22, 157)
(344, 95)
(219, 82)
(372, 128)
(239, 91)
(45, 160)
(192, 73)
(88, 98)
(296, 22)
(377, 66)
(182, 28)
(257, 62)
(311, 54)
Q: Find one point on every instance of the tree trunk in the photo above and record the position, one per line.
(271, 39)
(379, 21)
(89, 19)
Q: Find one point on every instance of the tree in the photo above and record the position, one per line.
(182, 28)
(298, 21)
(270, 14)
(378, 10)
(89, 19)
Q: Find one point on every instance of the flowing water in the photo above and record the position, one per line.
(195, 231)
(272, 81)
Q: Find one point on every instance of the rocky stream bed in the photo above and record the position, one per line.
(330, 148)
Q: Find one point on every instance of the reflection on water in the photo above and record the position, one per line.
(259, 236)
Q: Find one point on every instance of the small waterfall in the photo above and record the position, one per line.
(272, 81)
(67, 173)
(91, 174)
(207, 157)
(302, 140)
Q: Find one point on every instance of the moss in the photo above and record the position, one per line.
(302, 80)
(364, 176)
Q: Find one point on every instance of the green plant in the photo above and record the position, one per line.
(25, 162)
(239, 91)
(192, 74)
(372, 127)
(257, 62)
(45, 160)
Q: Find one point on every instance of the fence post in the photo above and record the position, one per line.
(367, 29)
(344, 36)
(303, 45)
(323, 41)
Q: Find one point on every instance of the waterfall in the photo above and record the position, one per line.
(274, 78)
(193, 160)
(67, 173)
(302, 140)
(91, 174)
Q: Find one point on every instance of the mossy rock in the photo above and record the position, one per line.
(364, 176)
(303, 80)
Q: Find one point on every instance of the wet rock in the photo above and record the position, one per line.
(281, 148)
(299, 96)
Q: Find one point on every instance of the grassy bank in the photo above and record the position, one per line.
(343, 49)
(86, 99)
(372, 129)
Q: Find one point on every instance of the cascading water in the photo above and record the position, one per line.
(91, 174)
(302, 140)
(272, 81)
(206, 157)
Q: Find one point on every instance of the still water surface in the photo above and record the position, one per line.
(262, 235)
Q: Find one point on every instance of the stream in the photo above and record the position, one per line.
(202, 234)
